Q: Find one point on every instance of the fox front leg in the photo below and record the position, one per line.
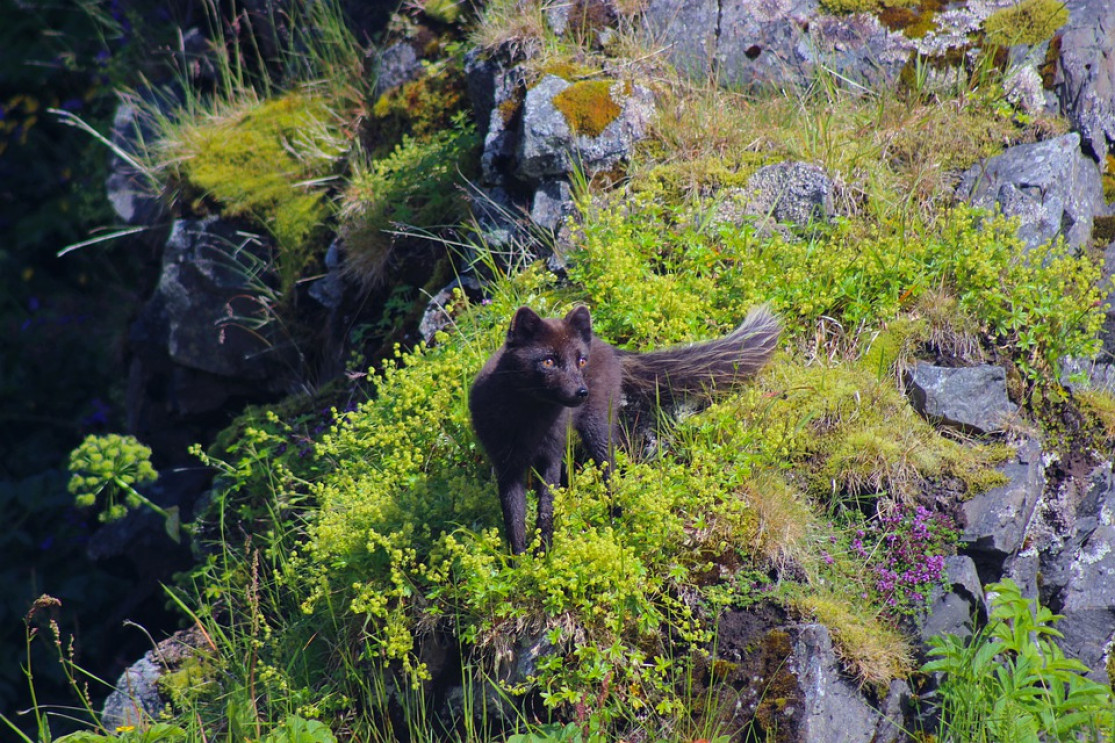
(513, 500)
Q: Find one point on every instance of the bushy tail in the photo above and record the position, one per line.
(674, 373)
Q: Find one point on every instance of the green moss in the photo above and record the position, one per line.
(1028, 22)
(1103, 228)
(588, 106)
(781, 699)
(255, 161)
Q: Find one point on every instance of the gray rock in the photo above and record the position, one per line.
(688, 30)
(1107, 332)
(892, 713)
(135, 700)
(550, 147)
(832, 709)
(553, 203)
(954, 609)
(972, 399)
(438, 314)
(996, 521)
(134, 197)
(794, 192)
(1085, 81)
(1050, 186)
(1077, 538)
(207, 282)
(496, 86)
(396, 65)
(329, 290)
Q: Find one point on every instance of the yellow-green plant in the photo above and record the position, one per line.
(111, 468)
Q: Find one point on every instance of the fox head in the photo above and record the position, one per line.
(550, 356)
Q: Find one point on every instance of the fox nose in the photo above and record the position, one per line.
(582, 392)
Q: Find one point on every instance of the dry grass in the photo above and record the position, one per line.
(871, 650)
(889, 155)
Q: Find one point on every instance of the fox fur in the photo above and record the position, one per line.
(554, 374)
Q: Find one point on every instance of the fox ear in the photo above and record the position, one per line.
(580, 320)
(524, 326)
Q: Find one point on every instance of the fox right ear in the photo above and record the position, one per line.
(524, 326)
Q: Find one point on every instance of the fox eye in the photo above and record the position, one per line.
(581, 362)
(548, 362)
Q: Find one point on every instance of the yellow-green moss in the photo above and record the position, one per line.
(1109, 180)
(872, 650)
(1029, 22)
(588, 106)
(256, 161)
(862, 6)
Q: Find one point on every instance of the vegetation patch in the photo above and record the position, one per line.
(1028, 22)
(415, 187)
(266, 161)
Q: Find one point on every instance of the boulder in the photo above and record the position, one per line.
(136, 699)
(995, 522)
(439, 310)
(749, 43)
(772, 676)
(207, 290)
(1050, 186)
(496, 84)
(553, 203)
(589, 125)
(1085, 76)
(972, 399)
(396, 65)
(794, 192)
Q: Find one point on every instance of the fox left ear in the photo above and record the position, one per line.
(580, 320)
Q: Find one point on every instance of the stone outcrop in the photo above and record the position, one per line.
(972, 399)
(1050, 186)
(1085, 79)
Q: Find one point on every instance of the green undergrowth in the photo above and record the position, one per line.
(417, 186)
(390, 533)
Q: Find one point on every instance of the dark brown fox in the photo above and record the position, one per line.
(553, 374)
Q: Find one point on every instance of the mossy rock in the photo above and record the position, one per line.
(255, 162)
(588, 106)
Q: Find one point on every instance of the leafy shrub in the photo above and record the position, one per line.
(416, 186)
(1011, 682)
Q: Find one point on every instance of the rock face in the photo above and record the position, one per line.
(955, 609)
(1085, 81)
(1075, 532)
(1050, 186)
(746, 43)
(996, 521)
(194, 348)
(972, 399)
(206, 285)
(786, 678)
